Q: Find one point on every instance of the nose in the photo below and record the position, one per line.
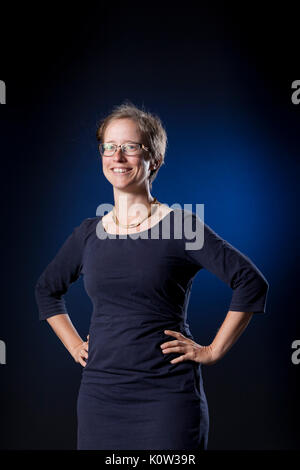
(118, 155)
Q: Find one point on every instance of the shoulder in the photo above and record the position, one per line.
(193, 226)
(188, 218)
(86, 227)
(187, 214)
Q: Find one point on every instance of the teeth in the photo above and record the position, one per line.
(120, 170)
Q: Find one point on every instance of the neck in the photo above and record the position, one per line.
(132, 207)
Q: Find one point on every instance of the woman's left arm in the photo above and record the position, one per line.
(231, 329)
(237, 270)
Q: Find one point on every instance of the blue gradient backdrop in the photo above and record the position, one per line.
(222, 89)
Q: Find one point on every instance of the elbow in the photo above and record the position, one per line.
(39, 289)
(260, 285)
(264, 285)
(49, 301)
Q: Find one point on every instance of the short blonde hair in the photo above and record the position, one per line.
(153, 134)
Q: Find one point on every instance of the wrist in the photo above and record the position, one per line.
(212, 353)
(216, 352)
(206, 355)
(73, 349)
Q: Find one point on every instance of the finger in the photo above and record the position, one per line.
(169, 343)
(177, 334)
(174, 349)
(82, 362)
(83, 353)
(170, 332)
(182, 358)
(176, 342)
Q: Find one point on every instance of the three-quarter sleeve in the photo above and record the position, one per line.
(63, 270)
(250, 287)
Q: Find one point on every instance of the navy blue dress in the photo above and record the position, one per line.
(131, 397)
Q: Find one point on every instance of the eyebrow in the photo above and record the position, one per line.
(113, 141)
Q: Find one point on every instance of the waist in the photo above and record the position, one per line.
(145, 323)
(131, 354)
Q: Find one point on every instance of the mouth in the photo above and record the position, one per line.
(121, 171)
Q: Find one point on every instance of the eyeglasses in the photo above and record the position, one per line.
(132, 148)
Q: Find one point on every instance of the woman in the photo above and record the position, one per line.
(142, 384)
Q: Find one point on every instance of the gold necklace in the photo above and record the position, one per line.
(116, 221)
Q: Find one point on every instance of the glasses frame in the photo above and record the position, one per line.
(142, 146)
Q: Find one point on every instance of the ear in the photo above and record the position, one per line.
(152, 166)
(156, 165)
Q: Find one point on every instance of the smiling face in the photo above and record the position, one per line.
(137, 173)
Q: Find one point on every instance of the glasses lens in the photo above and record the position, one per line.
(131, 149)
(107, 149)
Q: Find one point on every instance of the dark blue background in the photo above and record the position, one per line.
(220, 79)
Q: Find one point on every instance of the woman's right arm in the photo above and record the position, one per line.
(64, 269)
(67, 333)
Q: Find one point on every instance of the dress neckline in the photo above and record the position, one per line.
(136, 233)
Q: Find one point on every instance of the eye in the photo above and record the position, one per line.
(131, 146)
(109, 146)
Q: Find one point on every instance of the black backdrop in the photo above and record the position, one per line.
(220, 78)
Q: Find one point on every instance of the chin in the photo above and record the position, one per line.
(119, 184)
